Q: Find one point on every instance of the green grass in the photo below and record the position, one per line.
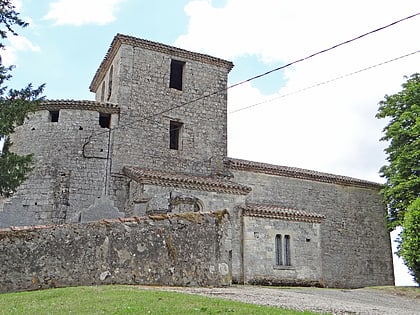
(120, 299)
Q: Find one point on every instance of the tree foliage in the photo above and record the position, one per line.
(409, 248)
(14, 108)
(403, 153)
(402, 190)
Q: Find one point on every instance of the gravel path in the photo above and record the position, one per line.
(333, 301)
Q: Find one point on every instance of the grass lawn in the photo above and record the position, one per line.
(124, 299)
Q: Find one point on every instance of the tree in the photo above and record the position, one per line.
(15, 105)
(409, 248)
(401, 192)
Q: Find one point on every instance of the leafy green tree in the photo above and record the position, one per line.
(403, 153)
(15, 105)
(402, 190)
(409, 248)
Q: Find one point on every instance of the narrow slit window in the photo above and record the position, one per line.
(103, 92)
(278, 251)
(105, 120)
(287, 261)
(175, 132)
(177, 72)
(54, 114)
(111, 73)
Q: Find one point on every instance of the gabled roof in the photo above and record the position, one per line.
(171, 179)
(294, 172)
(281, 213)
(120, 39)
(80, 105)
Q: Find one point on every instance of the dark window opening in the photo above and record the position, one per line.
(287, 250)
(105, 120)
(175, 129)
(177, 69)
(111, 73)
(103, 92)
(279, 260)
(54, 114)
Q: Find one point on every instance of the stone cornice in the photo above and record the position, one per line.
(107, 108)
(121, 39)
(294, 172)
(170, 179)
(281, 213)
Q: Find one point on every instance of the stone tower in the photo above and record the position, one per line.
(173, 106)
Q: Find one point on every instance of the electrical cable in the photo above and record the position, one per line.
(324, 82)
(262, 74)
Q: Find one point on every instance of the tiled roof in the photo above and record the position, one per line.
(79, 105)
(120, 39)
(281, 213)
(294, 172)
(203, 183)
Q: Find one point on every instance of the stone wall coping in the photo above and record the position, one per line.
(188, 181)
(281, 213)
(294, 172)
(107, 108)
(191, 216)
(121, 39)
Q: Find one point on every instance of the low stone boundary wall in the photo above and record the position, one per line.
(186, 249)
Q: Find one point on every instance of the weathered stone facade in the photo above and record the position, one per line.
(154, 142)
(183, 250)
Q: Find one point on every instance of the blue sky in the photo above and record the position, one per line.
(330, 128)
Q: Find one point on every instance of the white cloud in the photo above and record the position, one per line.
(16, 44)
(80, 12)
(330, 128)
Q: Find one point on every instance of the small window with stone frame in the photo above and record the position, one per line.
(105, 120)
(54, 115)
(282, 250)
(176, 74)
(175, 134)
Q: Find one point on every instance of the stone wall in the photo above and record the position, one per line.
(189, 249)
(148, 105)
(259, 252)
(356, 247)
(70, 169)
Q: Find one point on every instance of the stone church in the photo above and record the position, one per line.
(154, 141)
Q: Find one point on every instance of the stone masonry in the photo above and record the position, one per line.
(154, 143)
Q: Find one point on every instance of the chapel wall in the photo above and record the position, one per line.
(356, 246)
(264, 257)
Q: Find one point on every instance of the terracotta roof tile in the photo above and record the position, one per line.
(171, 179)
(294, 172)
(79, 105)
(282, 213)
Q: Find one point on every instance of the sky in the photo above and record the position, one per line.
(317, 114)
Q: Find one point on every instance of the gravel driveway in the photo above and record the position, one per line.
(335, 301)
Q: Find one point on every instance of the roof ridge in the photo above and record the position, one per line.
(295, 172)
(120, 39)
(184, 180)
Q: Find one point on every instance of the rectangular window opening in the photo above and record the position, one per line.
(177, 69)
(279, 260)
(54, 114)
(287, 261)
(175, 131)
(105, 120)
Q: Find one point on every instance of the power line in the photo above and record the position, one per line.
(262, 74)
(324, 82)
